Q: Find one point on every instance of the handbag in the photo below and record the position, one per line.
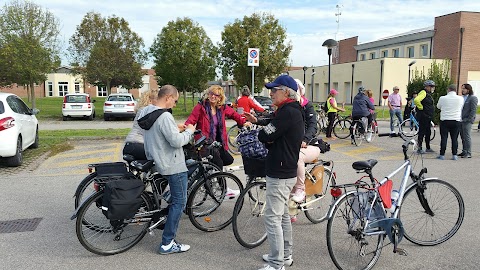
(225, 156)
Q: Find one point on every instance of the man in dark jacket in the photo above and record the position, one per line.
(360, 107)
(283, 135)
(425, 111)
(469, 111)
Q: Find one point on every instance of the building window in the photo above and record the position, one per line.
(424, 50)
(62, 88)
(395, 53)
(385, 53)
(411, 51)
(101, 91)
(372, 55)
(77, 88)
(362, 57)
(50, 89)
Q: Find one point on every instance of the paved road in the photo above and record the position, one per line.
(47, 193)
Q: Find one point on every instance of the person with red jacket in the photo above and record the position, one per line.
(246, 103)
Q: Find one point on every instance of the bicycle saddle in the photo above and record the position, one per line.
(128, 158)
(364, 164)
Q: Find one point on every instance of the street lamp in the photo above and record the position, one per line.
(330, 44)
(409, 65)
(304, 69)
(313, 75)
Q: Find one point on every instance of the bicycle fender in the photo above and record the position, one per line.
(74, 216)
(415, 183)
(333, 206)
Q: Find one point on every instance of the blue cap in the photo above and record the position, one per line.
(284, 80)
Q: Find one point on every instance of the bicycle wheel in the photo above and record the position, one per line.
(349, 247)
(341, 128)
(85, 189)
(357, 134)
(408, 129)
(319, 204)
(107, 237)
(374, 128)
(232, 135)
(209, 206)
(434, 218)
(248, 225)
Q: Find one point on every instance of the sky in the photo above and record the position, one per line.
(308, 22)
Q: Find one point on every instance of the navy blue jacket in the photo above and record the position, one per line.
(361, 104)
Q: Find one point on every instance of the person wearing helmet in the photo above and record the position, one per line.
(425, 111)
(361, 107)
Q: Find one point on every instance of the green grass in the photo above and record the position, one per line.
(51, 107)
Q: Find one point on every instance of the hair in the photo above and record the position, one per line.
(245, 91)
(218, 90)
(469, 88)
(167, 90)
(146, 98)
(369, 93)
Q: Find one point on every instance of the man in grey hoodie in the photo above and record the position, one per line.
(163, 143)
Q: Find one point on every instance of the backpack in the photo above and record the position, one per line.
(122, 198)
(325, 106)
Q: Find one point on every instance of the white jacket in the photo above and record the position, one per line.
(451, 106)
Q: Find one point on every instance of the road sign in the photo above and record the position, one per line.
(385, 94)
(253, 57)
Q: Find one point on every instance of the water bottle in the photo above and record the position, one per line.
(394, 196)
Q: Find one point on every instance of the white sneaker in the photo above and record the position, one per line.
(299, 196)
(173, 247)
(268, 267)
(232, 193)
(369, 137)
(287, 261)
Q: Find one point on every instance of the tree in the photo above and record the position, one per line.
(28, 45)
(261, 31)
(106, 52)
(440, 74)
(184, 56)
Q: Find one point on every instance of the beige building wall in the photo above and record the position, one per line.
(57, 83)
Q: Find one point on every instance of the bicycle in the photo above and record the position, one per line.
(234, 131)
(427, 212)
(359, 134)
(341, 126)
(248, 226)
(409, 127)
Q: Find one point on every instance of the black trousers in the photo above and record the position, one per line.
(451, 127)
(135, 149)
(424, 130)
(331, 120)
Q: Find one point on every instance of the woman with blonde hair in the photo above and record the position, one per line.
(134, 140)
(209, 116)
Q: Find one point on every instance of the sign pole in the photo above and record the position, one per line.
(253, 56)
(253, 82)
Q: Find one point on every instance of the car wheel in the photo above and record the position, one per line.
(90, 117)
(35, 143)
(16, 160)
(65, 118)
(105, 118)
(94, 114)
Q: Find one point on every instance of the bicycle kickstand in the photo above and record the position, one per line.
(396, 249)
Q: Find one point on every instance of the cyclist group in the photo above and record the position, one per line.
(287, 133)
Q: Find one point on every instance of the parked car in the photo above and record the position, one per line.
(119, 105)
(266, 102)
(78, 105)
(18, 128)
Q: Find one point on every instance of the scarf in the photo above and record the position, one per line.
(208, 109)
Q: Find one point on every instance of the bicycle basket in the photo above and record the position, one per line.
(315, 185)
(250, 146)
(254, 166)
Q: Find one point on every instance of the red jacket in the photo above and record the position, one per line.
(199, 117)
(247, 103)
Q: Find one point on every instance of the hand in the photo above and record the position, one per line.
(191, 128)
(250, 117)
(304, 145)
(247, 124)
(181, 127)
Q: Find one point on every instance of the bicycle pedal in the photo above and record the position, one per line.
(400, 251)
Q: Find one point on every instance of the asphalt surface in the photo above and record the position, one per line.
(46, 192)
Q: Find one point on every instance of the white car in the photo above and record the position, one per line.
(78, 105)
(119, 105)
(18, 128)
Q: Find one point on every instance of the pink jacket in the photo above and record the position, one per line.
(199, 117)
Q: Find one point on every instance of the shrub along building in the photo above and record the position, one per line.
(391, 61)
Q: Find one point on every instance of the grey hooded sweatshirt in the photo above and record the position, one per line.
(163, 142)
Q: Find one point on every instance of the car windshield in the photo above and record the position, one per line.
(76, 99)
(264, 100)
(120, 98)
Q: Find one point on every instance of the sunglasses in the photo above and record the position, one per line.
(275, 89)
(213, 94)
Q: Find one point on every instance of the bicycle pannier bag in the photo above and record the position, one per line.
(315, 185)
(122, 198)
(249, 145)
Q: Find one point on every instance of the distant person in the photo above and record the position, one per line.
(332, 111)
(395, 108)
(410, 106)
(450, 107)
(425, 112)
(361, 107)
(246, 104)
(469, 111)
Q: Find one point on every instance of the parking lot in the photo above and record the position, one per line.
(46, 193)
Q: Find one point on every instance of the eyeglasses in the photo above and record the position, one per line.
(213, 94)
(275, 89)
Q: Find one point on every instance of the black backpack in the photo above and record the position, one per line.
(325, 106)
(122, 198)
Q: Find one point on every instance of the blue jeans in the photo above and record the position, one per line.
(398, 113)
(277, 220)
(178, 191)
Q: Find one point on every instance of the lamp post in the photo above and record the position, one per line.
(304, 70)
(330, 44)
(409, 65)
(313, 75)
